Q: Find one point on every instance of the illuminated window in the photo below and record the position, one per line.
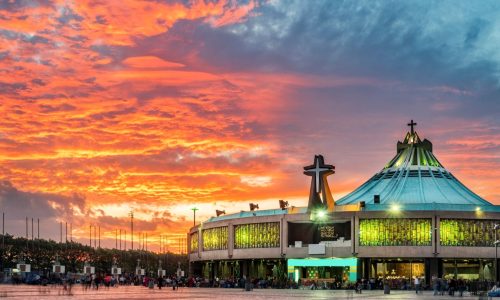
(461, 232)
(258, 235)
(327, 232)
(215, 238)
(194, 242)
(395, 232)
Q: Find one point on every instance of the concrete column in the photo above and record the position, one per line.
(215, 269)
(440, 267)
(366, 268)
(244, 268)
(438, 237)
(190, 268)
(427, 270)
(434, 269)
(434, 235)
(284, 236)
(355, 234)
(188, 246)
(200, 242)
(230, 240)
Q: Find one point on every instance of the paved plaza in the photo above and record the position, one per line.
(138, 292)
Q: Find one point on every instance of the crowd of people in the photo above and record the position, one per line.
(439, 285)
(94, 281)
(238, 282)
(452, 286)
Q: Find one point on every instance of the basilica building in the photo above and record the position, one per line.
(412, 218)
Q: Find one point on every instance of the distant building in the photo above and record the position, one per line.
(413, 218)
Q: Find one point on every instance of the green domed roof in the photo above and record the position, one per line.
(414, 176)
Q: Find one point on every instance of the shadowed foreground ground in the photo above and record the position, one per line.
(137, 292)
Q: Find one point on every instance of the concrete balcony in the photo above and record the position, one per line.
(395, 251)
(336, 251)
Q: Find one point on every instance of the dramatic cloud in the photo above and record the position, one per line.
(49, 208)
(158, 106)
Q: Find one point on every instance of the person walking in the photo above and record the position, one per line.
(461, 287)
(435, 284)
(174, 283)
(160, 282)
(417, 284)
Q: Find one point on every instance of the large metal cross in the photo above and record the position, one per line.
(317, 170)
(411, 124)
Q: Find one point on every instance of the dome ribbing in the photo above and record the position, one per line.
(413, 176)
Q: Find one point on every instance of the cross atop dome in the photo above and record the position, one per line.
(412, 137)
(411, 124)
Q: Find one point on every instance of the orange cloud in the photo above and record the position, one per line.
(150, 62)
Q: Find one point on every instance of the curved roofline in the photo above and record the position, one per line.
(414, 176)
(368, 207)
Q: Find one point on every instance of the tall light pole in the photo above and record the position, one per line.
(3, 230)
(496, 227)
(194, 209)
(131, 214)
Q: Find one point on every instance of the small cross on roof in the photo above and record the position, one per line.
(411, 124)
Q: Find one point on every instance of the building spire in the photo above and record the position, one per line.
(411, 124)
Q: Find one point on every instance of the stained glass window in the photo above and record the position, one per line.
(215, 238)
(395, 232)
(194, 242)
(258, 235)
(462, 232)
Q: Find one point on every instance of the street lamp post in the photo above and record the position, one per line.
(194, 209)
(3, 231)
(131, 215)
(496, 227)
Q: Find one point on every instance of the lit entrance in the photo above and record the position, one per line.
(399, 273)
(323, 270)
(470, 269)
(397, 268)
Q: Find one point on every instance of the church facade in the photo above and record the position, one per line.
(413, 218)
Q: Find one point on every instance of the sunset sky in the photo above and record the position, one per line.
(159, 106)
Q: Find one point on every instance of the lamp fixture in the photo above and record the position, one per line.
(254, 206)
(283, 204)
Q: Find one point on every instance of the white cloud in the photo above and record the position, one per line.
(256, 181)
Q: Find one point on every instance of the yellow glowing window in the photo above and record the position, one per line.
(194, 242)
(462, 232)
(395, 232)
(258, 235)
(215, 238)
